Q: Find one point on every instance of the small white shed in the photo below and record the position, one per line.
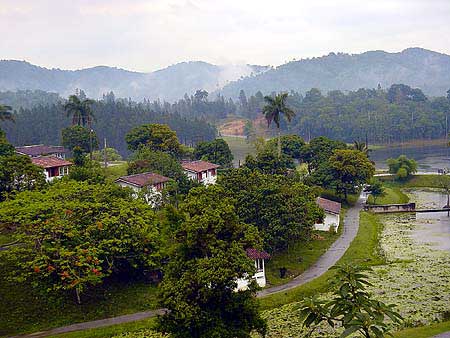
(332, 214)
(260, 276)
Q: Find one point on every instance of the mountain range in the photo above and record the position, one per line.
(417, 67)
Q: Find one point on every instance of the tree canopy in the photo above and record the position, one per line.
(402, 167)
(216, 151)
(157, 137)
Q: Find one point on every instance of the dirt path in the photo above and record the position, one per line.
(326, 261)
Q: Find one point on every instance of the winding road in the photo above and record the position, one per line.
(325, 262)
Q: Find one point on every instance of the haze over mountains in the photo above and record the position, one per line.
(416, 67)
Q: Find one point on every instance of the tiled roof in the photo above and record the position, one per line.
(49, 161)
(330, 206)
(144, 179)
(198, 166)
(255, 254)
(40, 149)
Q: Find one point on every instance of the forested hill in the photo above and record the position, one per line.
(169, 84)
(415, 67)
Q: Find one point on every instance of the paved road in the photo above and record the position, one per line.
(443, 335)
(329, 258)
(326, 261)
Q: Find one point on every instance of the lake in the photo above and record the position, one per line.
(430, 158)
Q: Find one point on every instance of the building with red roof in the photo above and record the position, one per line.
(150, 183)
(260, 275)
(37, 150)
(332, 211)
(54, 167)
(201, 171)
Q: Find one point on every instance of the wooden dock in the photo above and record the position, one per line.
(396, 208)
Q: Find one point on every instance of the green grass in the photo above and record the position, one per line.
(239, 147)
(393, 195)
(26, 310)
(424, 331)
(115, 171)
(109, 331)
(416, 181)
(362, 251)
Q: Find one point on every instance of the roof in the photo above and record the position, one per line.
(144, 179)
(256, 254)
(198, 166)
(40, 149)
(49, 161)
(328, 205)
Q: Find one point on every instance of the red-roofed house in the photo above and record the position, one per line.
(201, 171)
(152, 183)
(42, 150)
(260, 275)
(332, 214)
(54, 167)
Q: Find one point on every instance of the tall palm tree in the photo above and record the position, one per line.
(5, 113)
(80, 110)
(273, 110)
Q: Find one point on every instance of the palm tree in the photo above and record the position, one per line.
(361, 146)
(274, 108)
(80, 110)
(5, 113)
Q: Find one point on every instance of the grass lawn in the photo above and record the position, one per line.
(301, 256)
(25, 310)
(424, 331)
(393, 196)
(239, 147)
(362, 251)
(109, 331)
(416, 181)
(113, 172)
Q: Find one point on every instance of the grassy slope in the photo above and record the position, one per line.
(424, 331)
(115, 171)
(239, 147)
(416, 181)
(393, 196)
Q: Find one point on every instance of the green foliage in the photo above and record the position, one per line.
(157, 137)
(402, 167)
(18, 173)
(376, 189)
(206, 259)
(352, 307)
(291, 145)
(267, 162)
(89, 171)
(80, 110)
(216, 151)
(6, 148)
(282, 209)
(349, 169)
(78, 136)
(111, 155)
(5, 113)
(76, 234)
(317, 152)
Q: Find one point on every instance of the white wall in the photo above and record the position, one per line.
(153, 196)
(259, 276)
(330, 219)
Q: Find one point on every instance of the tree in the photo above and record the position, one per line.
(352, 307)
(80, 110)
(376, 189)
(89, 171)
(318, 152)
(5, 113)
(291, 145)
(200, 280)
(267, 162)
(350, 168)
(78, 136)
(216, 151)
(274, 109)
(6, 148)
(84, 233)
(157, 137)
(402, 167)
(18, 173)
(361, 146)
(282, 209)
(111, 155)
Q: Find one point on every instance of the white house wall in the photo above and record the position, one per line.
(329, 220)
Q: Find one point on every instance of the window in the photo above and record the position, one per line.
(259, 264)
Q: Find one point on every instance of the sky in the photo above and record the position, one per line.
(146, 35)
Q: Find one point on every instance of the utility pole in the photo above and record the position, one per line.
(90, 144)
(105, 156)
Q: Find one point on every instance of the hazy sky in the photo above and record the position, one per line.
(146, 35)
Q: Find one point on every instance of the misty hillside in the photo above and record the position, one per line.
(416, 67)
(170, 83)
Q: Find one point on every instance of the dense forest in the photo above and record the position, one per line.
(113, 119)
(397, 114)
